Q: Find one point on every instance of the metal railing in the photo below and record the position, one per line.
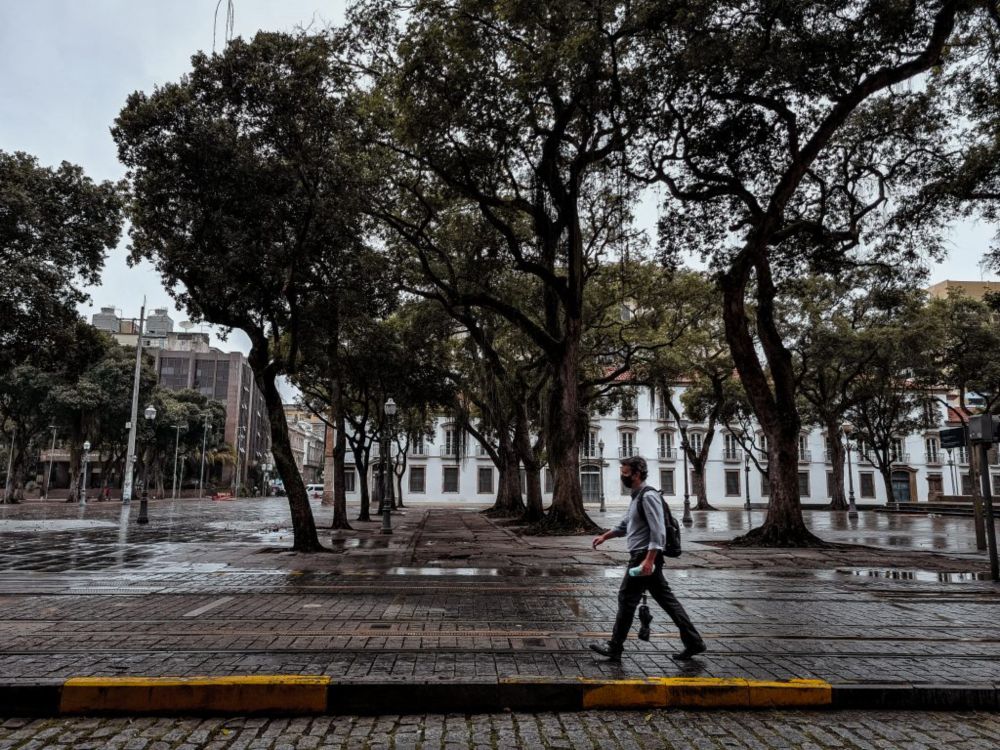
(449, 451)
(805, 456)
(663, 413)
(732, 454)
(897, 457)
(932, 457)
(624, 452)
(666, 454)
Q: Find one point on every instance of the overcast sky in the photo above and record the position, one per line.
(67, 66)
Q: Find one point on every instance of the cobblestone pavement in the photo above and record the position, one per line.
(211, 588)
(595, 729)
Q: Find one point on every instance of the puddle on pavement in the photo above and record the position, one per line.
(925, 576)
(356, 543)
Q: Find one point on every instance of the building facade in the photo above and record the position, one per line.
(455, 467)
(306, 434)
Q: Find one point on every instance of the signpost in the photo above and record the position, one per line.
(984, 431)
(958, 437)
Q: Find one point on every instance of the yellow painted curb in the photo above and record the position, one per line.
(704, 692)
(294, 694)
(789, 694)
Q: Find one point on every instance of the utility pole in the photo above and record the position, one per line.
(133, 422)
(177, 444)
(52, 450)
(204, 441)
(10, 465)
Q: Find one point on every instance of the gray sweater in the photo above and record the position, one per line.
(642, 534)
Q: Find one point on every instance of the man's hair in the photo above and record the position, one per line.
(637, 465)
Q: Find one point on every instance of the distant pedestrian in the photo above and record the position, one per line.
(644, 529)
(107, 493)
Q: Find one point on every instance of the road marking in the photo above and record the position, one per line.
(211, 605)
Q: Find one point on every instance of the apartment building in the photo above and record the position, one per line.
(455, 467)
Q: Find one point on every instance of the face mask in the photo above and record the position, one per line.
(627, 480)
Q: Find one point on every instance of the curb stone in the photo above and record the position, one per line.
(320, 694)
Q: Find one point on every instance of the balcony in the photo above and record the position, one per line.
(932, 458)
(666, 454)
(663, 413)
(762, 455)
(482, 453)
(732, 455)
(805, 456)
(588, 452)
(896, 457)
(417, 451)
(449, 451)
(627, 451)
(827, 456)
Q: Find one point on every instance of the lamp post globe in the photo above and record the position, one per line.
(150, 414)
(387, 481)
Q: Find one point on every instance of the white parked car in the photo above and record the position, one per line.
(314, 491)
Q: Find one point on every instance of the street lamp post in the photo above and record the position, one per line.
(387, 491)
(686, 519)
(83, 474)
(241, 434)
(746, 469)
(150, 414)
(177, 445)
(10, 466)
(600, 450)
(48, 474)
(852, 510)
(133, 422)
(204, 442)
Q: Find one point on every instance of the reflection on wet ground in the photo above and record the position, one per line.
(928, 576)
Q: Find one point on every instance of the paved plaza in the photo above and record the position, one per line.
(210, 588)
(596, 730)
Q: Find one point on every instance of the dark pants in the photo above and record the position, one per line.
(630, 594)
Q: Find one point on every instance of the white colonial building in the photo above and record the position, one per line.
(446, 470)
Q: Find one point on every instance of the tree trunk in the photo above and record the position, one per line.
(784, 525)
(533, 511)
(838, 501)
(328, 491)
(775, 411)
(364, 512)
(886, 475)
(304, 537)
(509, 503)
(403, 463)
(76, 440)
(339, 488)
(700, 491)
(566, 422)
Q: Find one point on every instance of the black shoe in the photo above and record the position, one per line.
(609, 649)
(690, 651)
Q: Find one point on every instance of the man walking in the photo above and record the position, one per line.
(644, 529)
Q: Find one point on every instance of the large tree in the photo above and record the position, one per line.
(783, 131)
(506, 110)
(56, 225)
(241, 183)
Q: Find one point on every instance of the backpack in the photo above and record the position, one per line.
(672, 543)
